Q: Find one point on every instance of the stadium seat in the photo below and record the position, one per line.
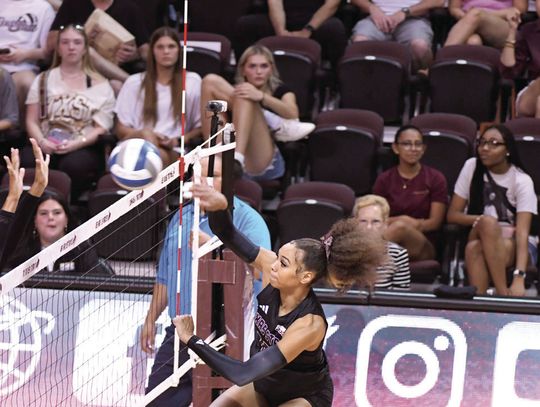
(59, 184)
(309, 209)
(250, 192)
(374, 75)
(128, 239)
(527, 135)
(298, 60)
(464, 79)
(343, 148)
(444, 132)
(203, 60)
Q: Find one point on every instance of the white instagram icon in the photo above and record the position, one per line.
(513, 339)
(412, 347)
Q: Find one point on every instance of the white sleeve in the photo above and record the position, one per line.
(526, 200)
(126, 101)
(48, 18)
(33, 94)
(193, 101)
(104, 117)
(463, 183)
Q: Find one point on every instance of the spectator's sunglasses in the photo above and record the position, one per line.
(77, 27)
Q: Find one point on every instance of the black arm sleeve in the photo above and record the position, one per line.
(260, 365)
(222, 225)
(20, 222)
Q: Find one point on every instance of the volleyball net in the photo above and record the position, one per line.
(71, 316)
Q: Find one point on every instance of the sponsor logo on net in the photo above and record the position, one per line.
(103, 220)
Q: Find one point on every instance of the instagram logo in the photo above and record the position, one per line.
(437, 347)
(514, 339)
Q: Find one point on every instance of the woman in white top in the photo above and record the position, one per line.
(69, 107)
(149, 104)
(496, 198)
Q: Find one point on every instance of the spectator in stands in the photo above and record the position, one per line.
(15, 215)
(417, 195)
(403, 21)
(149, 104)
(69, 107)
(263, 110)
(305, 18)
(52, 221)
(128, 15)
(9, 111)
(483, 22)
(372, 213)
(23, 41)
(496, 198)
(245, 219)
(522, 55)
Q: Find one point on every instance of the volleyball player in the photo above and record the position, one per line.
(287, 365)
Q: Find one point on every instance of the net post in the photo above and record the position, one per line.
(235, 277)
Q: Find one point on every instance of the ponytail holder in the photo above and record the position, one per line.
(327, 242)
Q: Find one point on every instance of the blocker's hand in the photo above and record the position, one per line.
(184, 327)
(211, 200)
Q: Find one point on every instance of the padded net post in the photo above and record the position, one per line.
(237, 281)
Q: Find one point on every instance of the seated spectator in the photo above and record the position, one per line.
(15, 215)
(149, 104)
(9, 112)
(520, 56)
(53, 220)
(417, 195)
(262, 109)
(307, 18)
(23, 41)
(127, 14)
(372, 212)
(405, 22)
(496, 198)
(483, 22)
(69, 107)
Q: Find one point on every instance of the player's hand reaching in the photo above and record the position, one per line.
(41, 177)
(16, 175)
(184, 326)
(210, 199)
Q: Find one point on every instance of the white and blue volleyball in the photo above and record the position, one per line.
(135, 163)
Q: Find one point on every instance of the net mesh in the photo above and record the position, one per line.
(69, 335)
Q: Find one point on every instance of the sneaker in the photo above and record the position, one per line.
(292, 130)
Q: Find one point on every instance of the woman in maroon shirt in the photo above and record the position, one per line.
(417, 195)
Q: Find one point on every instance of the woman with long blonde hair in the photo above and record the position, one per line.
(263, 110)
(69, 107)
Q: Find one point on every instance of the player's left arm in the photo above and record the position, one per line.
(305, 333)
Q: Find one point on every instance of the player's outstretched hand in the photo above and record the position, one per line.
(41, 177)
(210, 199)
(184, 327)
(16, 175)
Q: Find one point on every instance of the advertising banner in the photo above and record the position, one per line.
(77, 348)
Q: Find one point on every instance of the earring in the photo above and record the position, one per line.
(508, 154)
(34, 233)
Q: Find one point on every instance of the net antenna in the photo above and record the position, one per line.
(195, 157)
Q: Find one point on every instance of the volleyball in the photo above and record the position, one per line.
(135, 163)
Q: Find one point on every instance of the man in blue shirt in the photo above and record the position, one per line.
(247, 220)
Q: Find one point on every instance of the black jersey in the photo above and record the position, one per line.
(306, 375)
